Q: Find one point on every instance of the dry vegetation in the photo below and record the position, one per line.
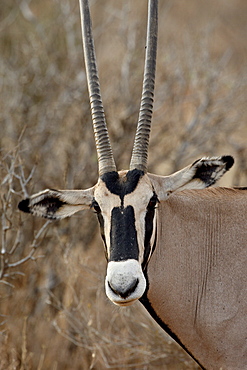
(53, 309)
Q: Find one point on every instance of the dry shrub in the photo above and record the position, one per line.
(54, 313)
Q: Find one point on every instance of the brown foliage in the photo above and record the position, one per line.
(54, 313)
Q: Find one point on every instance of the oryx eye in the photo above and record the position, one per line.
(153, 201)
(96, 207)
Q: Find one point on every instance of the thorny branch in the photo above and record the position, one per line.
(13, 185)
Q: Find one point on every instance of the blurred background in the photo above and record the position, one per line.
(53, 310)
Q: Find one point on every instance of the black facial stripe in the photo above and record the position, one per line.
(102, 231)
(122, 186)
(123, 236)
(149, 224)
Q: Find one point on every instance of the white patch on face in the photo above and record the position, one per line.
(154, 229)
(124, 282)
(107, 201)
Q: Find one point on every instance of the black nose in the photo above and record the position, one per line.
(123, 292)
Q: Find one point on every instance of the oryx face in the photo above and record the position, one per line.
(125, 205)
(125, 202)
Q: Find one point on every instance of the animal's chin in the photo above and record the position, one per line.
(125, 302)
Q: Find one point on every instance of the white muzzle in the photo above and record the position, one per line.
(125, 282)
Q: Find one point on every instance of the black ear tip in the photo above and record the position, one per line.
(228, 160)
(24, 206)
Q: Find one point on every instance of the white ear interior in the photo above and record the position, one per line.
(201, 174)
(57, 204)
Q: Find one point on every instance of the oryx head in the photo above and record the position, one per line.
(126, 202)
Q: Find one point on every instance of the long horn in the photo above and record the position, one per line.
(103, 146)
(140, 149)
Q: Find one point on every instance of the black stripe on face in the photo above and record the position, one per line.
(123, 236)
(102, 231)
(149, 225)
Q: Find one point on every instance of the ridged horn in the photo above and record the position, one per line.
(104, 152)
(140, 148)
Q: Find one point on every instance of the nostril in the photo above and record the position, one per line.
(123, 291)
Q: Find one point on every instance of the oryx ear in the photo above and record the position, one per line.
(201, 174)
(57, 204)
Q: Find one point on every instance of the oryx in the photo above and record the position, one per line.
(179, 248)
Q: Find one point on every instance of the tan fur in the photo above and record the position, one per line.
(198, 274)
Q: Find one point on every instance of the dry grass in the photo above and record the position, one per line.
(54, 313)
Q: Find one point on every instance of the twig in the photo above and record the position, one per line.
(33, 247)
